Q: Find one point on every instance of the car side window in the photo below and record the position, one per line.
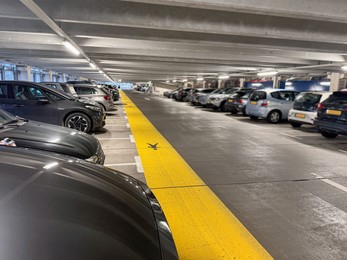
(52, 96)
(84, 91)
(23, 92)
(3, 91)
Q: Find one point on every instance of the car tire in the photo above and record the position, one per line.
(253, 117)
(274, 116)
(295, 125)
(329, 135)
(78, 121)
(233, 111)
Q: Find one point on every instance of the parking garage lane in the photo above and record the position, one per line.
(285, 185)
(202, 226)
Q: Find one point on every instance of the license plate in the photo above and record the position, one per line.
(300, 115)
(334, 112)
(230, 100)
(254, 102)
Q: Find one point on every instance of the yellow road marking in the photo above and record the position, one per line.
(202, 226)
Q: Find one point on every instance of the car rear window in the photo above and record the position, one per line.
(337, 97)
(258, 95)
(311, 98)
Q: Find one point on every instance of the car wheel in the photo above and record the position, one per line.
(253, 117)
(294, 124)
(274, 116)
(233, 111)
(78, 121)
(101, 105)
(329, 135)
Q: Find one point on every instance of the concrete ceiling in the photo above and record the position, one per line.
(142, 40)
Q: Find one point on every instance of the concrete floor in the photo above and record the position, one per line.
(287, 186)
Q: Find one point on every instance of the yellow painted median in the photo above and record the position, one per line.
(202, 227)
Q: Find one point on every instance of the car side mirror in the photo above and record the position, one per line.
(44, 101)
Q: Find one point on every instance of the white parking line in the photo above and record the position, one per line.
(119, 164)
(115, 125)
(126, 117)
(132, 139)
(139, 164)
(332, 183)
(292, 136)
(128, 125)
(147, 98)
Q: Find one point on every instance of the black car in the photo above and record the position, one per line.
(58, 208)
(332, 115)
(41, 103)
(182, 94)
(52, 138)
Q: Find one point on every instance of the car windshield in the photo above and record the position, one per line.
(6, 118)
(338, 97)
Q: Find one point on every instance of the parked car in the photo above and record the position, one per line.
(114, 91)
(237, 102)
(332, 115)
(95, 93)
(54, 85)
(217, 101)
(54, 207)
(52, 138)
(41, 103)
(199, 92)
(304, 110)
(202, 99)
(272, 104)
(182, 94)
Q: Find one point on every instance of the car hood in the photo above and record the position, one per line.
(65, 208)
(52, 138)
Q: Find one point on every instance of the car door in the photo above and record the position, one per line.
(287, 101)
(7, 98)
(30, 102)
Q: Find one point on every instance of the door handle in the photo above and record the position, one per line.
(18, 105)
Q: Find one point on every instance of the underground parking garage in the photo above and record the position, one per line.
(173, 129)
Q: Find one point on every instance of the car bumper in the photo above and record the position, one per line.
(302, 117)
(257, 111)
(331, 127)
(99, 120)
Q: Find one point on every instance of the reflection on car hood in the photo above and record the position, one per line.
(52, 138)
(71, 209)
(88, 102)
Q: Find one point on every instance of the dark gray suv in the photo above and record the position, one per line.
(41, 103)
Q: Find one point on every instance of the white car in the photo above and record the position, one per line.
(272, 104)
(304, 110)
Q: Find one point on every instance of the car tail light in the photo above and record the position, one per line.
(320, 106)
(107, 98)
(239, 100)
(264, 104)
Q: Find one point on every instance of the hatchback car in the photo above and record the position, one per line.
(272, 104)
(182, 94)
(199, 92)
(52, 138)
(54, 207)
(95, 93)
(304, 110)
(41, 103)
(332, 115)
(63, 87)
(217, 101)
(203, 99)
(237, 102)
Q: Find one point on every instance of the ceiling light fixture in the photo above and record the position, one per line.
(256, 84)
(168, 81)
(184, 80)
(223, 77)
(200, 79)
(344, 68)
(100, 71)
(325, 83)
(71, 48)
(267, 73)
(174, 81)
(92, 65)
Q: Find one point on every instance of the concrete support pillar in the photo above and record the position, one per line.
(276, 81)
(193, 84)
(65, 76)
(335, 81)
(242, 82)
(50, 76)
(28, 69)
(221, 83)
(204, 84)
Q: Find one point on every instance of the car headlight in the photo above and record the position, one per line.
(93, 159)
(98, 109)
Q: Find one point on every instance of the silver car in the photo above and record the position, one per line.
(272, 104)
(305, 106)
(95, 93)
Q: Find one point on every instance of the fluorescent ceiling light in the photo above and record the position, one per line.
(92, 65)
(325, 83)
(168, 81)
(289, 83)
(71, 48)
(100, 71)
(200, 79)
(267, 73)
(174, 81)
(344, 68)
(184, 80)
(256, 84)
(224, 77)
(119, 80)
